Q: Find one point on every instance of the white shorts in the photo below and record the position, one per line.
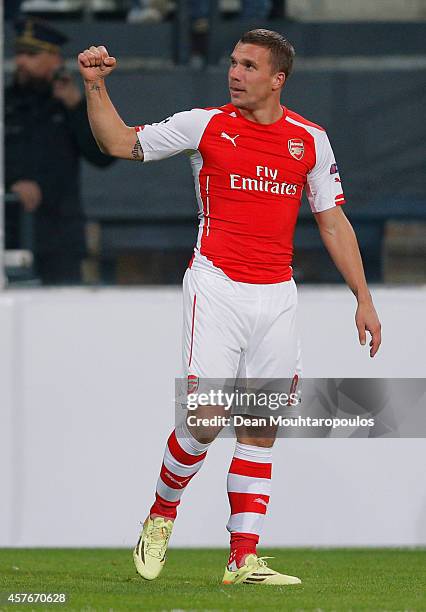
(239, 330)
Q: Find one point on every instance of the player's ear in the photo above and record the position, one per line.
(278, 80)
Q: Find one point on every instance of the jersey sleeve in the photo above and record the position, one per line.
(324, 187)
(176, 134)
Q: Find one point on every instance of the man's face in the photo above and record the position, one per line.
(251, 78)
(36, 66)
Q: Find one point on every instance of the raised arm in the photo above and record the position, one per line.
(113, 136)
(340, 240)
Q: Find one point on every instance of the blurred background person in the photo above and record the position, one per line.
(157, 10)
(145, 11)
(250, 10)
(46, 134)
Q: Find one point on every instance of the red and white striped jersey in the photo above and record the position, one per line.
(249, 179)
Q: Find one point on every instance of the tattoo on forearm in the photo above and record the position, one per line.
(95, 87)
(137, 152)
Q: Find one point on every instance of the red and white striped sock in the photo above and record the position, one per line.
(249, 488)
(183, 457)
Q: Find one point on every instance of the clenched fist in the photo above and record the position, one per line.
(95, 63)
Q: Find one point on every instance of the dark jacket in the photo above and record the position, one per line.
(44, 142)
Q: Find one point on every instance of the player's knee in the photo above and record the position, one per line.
(206, 422)
(267, 442)
(204, 435)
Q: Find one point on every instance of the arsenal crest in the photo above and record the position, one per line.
(296, 147)
(192, 383)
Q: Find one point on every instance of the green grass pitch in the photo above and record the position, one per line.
(334, 580)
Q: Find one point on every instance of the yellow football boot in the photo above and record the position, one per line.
(256, 571)
(149, 554)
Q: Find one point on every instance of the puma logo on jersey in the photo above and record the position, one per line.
(231, 138)
(259, 500)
